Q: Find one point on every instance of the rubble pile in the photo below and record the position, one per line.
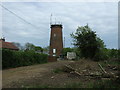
(91, 69)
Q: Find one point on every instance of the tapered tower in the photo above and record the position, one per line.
(56, 40)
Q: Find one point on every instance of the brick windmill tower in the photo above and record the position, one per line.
(56, 41)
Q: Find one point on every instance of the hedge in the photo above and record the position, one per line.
(12, 59)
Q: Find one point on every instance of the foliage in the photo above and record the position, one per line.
(12, 59)
(37, 86)
(18, 45)
(77, 51)
(65, 50)
(102, 54)
(110, 53)
(113, 53)
(110, 62)
(118, 53)
(38, 48)
(29, 46)
(73, 85)
(89, 45)
(46, 48)
(104, 84)
(96, 84)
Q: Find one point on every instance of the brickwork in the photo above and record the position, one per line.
(56, 40)
(52, 58)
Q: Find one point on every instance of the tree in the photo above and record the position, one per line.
(18, 45)
(38, 48)
(65, 50)
(29, 46)
(77, 51)
(114, 53)
(46, 50)
(88, 43)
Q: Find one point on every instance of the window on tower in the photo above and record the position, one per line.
(54, 50)
(54, 35)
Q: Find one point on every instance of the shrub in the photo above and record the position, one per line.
(87, 42)
(11, 59)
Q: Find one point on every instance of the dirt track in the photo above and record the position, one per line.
(30, 75)
(44, 75)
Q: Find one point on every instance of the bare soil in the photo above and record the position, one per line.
(43, 75)
(30, 75)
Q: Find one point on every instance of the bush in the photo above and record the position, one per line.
(87, 42)
(11, 59)
(65, 50)
(102, 54)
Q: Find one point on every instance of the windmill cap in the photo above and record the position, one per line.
(56, 25)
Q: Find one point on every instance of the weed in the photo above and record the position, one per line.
(38, 86)
(73, 85)
(103, 84)
(110, 62)
(57, 70)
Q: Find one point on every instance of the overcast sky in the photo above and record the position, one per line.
(101, 17)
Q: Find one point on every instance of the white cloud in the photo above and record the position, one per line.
(102, 17)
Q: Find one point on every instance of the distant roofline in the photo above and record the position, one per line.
(8, 45)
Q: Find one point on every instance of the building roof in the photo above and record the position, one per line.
(8, 45)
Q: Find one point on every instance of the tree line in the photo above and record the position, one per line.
(87, 44)
(30, 46)
(28, 55)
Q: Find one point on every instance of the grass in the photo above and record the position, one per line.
(57, 70)
(103, 84)
(97, 84)
(110, 62)
(38, 86)
(73, 85)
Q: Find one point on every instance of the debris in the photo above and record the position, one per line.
(77, 73)
(72, 61)
(98, 73)
(84, 70)
(90, 71)
(69, 67)
(22, 86)
(102, 68)
(52, 77)
(108, 65)
(114, 68)
(74, 71)
(105, 75)
(105, 79)
(64, 84)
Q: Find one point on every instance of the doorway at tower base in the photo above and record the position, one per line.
(52, 58)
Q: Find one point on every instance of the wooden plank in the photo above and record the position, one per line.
(102, 68)
(69, 67)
